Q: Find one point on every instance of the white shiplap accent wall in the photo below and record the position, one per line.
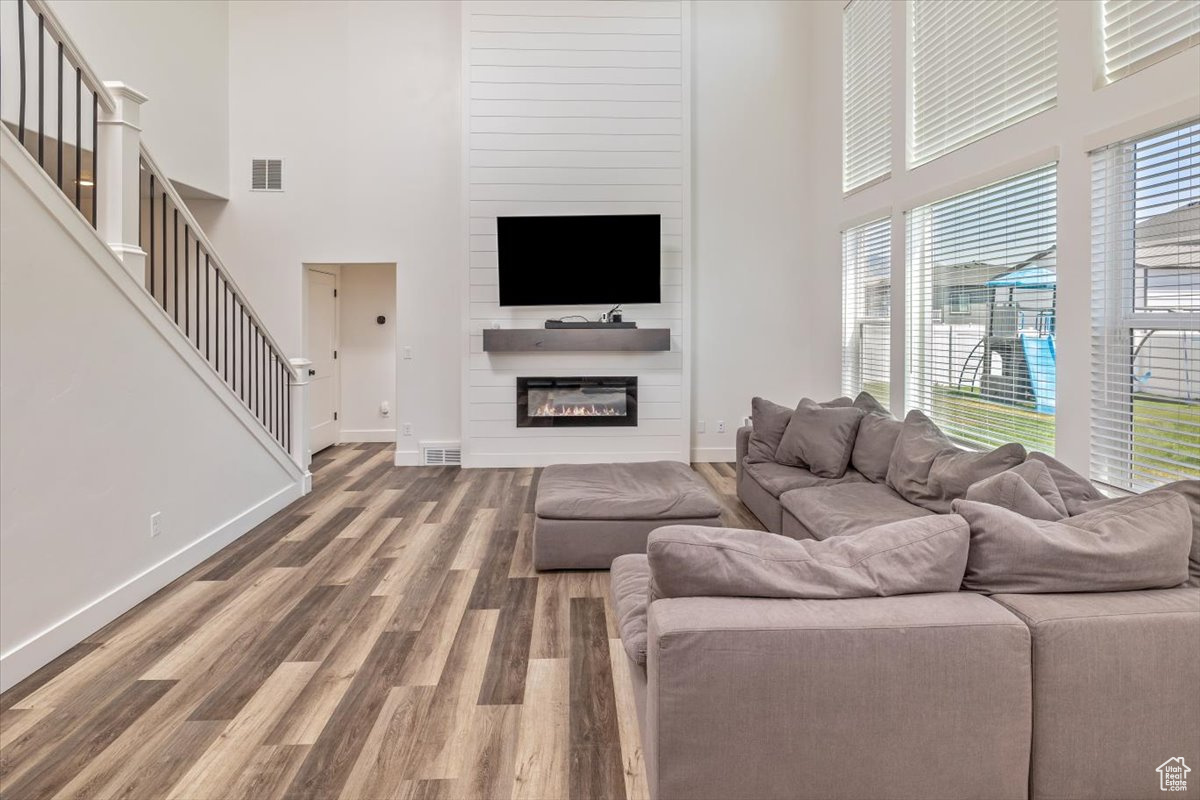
(576, 107)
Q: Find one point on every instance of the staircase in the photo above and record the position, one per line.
(84, 135)
(149, 417)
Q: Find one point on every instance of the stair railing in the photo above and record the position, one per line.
(142, 217)
(36, 55)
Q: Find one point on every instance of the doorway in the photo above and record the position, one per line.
(321, 345)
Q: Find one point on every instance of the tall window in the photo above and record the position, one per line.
(978, 67)
(1146, 310)
(867, 309)
(1138, 33)
(981, 312)
(866, 93)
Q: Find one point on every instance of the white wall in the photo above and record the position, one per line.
(367, 351)
(361, 100)
(576, 108)
(753, 265)
(176, 53)
(1084, 119)
(103, 423)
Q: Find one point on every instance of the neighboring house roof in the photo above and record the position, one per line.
(1170, 240)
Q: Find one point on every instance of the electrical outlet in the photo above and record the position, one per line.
(699, 426)
(407, 351)
(385, 410)
(155, 524)
(720, 426)
(406, 429)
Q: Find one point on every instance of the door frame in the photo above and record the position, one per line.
(335, 271)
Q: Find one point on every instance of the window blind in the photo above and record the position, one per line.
(867, 309)
(1138, 33)
(1145, 427)
(866, 93)
(978, 67)
(981, 312)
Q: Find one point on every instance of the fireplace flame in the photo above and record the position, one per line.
(575, 410)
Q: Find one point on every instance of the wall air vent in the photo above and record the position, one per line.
(266, 175)
(441, 454)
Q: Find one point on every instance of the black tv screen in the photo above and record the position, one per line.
(579, 260)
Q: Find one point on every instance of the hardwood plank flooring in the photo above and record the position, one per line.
(383, 637)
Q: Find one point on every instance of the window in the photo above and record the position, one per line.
(1138, 33)
(977, 68)
(1146, 310)
(981, 312)
(867, 309)
(866, 93)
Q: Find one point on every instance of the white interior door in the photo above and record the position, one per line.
(321, 343)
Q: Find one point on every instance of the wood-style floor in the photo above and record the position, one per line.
(384, 637)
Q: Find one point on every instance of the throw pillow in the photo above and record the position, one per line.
(769, 421)
(1075, 489)
(907, 557)
(837, 402)
(1190, 490)
(877, 434)
(867, 402)
(1026, 489)
(820, 438)
(1140, 542)
(930, 471)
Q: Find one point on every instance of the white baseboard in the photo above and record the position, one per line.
(28, 656)
(702, 455)
(407, 458)
(367, 435)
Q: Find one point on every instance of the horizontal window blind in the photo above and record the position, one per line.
(978, 67)
(981, 312)
(866, 92)
(1138, 33)
(866, 309)
(1145, 427)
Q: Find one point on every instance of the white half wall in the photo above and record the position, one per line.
(177, 53)
(575, 108)
(367, 351)
(107, 415)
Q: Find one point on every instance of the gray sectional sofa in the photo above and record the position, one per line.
(942, 693)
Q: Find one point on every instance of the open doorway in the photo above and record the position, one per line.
(350, 336)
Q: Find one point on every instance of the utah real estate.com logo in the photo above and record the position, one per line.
(1172, 775)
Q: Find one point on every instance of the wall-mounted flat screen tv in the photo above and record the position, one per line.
(579, 260)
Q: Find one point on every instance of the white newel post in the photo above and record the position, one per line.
(299, 419)
(119, 158)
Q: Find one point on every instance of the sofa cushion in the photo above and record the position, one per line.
(1190, 490)
(778, 478)
(849, 508)
(867, 402)
(630, 581)
(649, 490)
(1075, 489)
(1027, 489)
(820, 438)
(907, 557)
(1114, 689)
(1140, 542)
(929, 470)
(768, 422)
(877, 435)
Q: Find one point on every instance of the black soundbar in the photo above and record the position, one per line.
(554, 323)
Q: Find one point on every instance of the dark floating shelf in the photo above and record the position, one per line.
(539, 340)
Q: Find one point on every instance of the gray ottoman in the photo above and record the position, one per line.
(588, 514)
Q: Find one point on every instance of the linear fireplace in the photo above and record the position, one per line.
(577, 402)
